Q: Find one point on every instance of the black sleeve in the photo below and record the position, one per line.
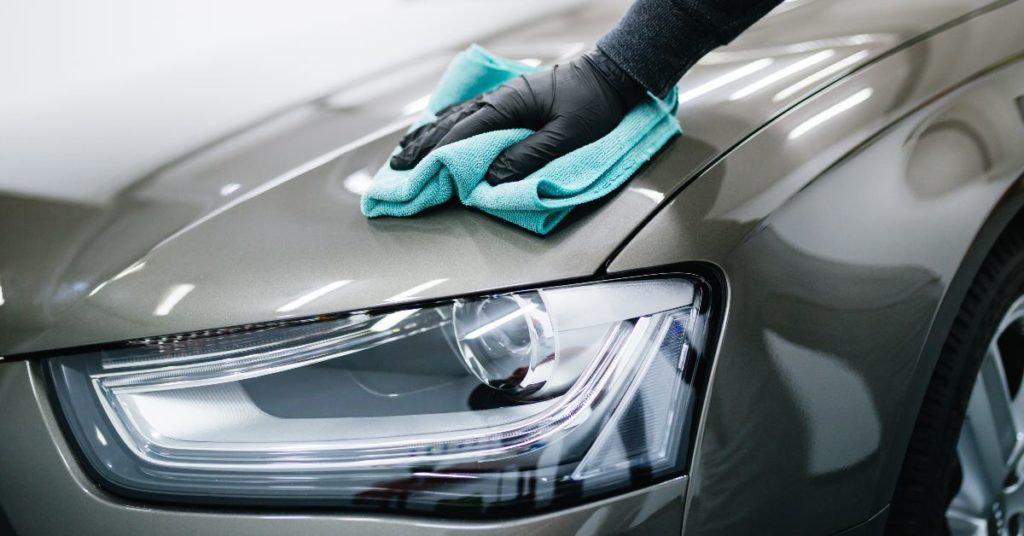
(659, 40)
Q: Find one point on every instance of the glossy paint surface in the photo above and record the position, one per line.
(99, 95)
(838, 222)
(838, 253)
(241, 230)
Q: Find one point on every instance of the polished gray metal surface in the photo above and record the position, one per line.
(242, 229)
(991, 495)
(839, 218)
(838, 252)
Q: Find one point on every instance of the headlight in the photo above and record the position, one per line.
(470, 406)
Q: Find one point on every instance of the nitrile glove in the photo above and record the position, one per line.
(568, 106)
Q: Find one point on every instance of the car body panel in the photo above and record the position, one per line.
(239, 230)
(837, 256)
(837, 247)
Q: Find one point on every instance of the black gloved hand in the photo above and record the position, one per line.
(568, 107)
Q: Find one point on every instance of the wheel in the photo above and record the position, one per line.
(990, 498)
(962, 473)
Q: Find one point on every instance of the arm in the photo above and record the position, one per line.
(659, 40)
(572, 105)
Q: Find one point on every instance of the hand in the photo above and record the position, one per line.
(567, 106)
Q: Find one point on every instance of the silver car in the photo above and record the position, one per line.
(804, 316)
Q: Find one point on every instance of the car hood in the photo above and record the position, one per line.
(264, 224)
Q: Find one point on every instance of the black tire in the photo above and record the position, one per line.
(930, 476)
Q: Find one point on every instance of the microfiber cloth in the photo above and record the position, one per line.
(541, 200)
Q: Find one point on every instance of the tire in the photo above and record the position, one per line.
(931, 475)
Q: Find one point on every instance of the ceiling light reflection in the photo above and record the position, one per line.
(782, 73)
(446, 475)
(391, 320)
(495, 324)
(818, 75)
(229, 188)
(725, 79)
(832, 111)
(877, 41)
(412, 293)
(358, 182)
(1, 294)
(306, 298)
(653, 195)
(171, 298)
(416, 106)
(98, 288)
(131, 269)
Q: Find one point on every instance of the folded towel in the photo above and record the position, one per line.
(541, 200)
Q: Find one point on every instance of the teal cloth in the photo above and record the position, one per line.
(538, 202)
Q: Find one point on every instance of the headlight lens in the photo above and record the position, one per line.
(538, 398)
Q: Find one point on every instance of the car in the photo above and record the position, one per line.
(805, 315)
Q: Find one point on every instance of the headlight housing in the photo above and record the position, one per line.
(539, 398)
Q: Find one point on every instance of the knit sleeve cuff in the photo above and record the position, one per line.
(656, 43)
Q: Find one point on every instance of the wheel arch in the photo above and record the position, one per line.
(1005, 214)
